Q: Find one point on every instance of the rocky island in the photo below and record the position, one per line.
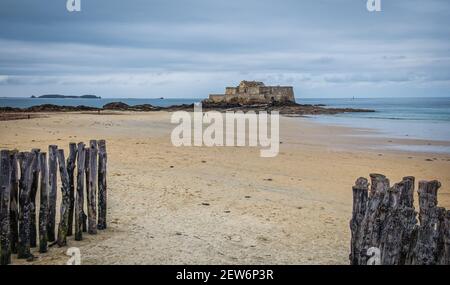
(58, 96)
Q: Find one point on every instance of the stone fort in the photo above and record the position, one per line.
(254, 92)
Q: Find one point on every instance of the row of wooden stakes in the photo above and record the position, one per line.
(24, 175)
(384, 225)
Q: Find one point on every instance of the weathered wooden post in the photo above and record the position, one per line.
(26, 160)
(70, 170)
(398, 228)
(91, 197)
(5, 196)
(34, 190)
(425, 249)
(52, 191)
(87, 177)
(79, 200)
(43, 208)
(14, 202)
(102, 186)
(65, 200)
(407, 192)
(374, 217)
(360, 194)
(444, 241)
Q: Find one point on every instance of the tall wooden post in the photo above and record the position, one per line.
(444, 257)
(70, 170)
(26, 179)
(374, 218)
(91, 197)
(43, 208)
(34, 190)
(65, 200)
(52, 191)
(14, 202)
(5, 196)
(86, 176)
(360, 195)
(102, 186)
(425, 250)
(399, 223)
(79, 198)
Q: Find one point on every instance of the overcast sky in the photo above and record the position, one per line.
(190, 48)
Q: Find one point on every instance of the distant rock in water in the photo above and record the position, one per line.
(57, 96)
(120, 106)
(116, 106)
(56, 108)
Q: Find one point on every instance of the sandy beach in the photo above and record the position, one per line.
(224, 205)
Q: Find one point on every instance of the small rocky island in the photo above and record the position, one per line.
(253, 92)
(256, 96)
(58, 96)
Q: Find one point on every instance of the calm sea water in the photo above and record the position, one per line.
(415, 118)
(420, 118)
(406, 118)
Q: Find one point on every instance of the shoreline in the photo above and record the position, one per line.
(383, 140)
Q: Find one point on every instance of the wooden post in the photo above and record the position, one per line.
(444, 256)
(52, 191)
(398, 228)
(102, 186)
(5, 196)
(26, 179)
(34, 190)
(70, 170)
(425, 250)
(92, 194)
(86, 175)
(360, 194)
(79, 200)
(65, 201)
(14, 202)
(407, 193)
(373, 220)
(43, 208)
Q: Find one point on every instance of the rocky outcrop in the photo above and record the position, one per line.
(48, 108)
(118, 106)
(286, 108)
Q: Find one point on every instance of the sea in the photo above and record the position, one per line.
(407, 118)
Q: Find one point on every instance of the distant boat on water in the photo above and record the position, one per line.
(58, 96)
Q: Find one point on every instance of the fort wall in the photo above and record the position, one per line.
(252, 92)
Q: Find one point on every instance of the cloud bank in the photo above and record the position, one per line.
(175, 48)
